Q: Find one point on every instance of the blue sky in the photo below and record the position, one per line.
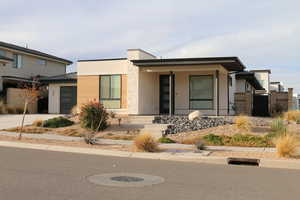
(264, 34)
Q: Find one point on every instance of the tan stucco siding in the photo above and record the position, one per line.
(124, 91)
(54, 97)
(30, 67)
(87, 89)
(102, 67)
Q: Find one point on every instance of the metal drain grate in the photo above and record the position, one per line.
(243, 161)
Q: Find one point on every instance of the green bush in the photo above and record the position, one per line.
(278, 126)
(166, 140)
(93, 116)
(57, 122)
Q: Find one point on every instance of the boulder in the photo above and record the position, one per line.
(195, 115)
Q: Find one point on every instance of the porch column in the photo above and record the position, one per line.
(171, 93)
(218, 93)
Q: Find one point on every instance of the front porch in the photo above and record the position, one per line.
(182, 89)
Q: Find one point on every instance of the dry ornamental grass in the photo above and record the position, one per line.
(243, 123)
(146, 143)
(287, 145)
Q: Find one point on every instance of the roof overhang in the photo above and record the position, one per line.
(18, 79)
(250, 78)
(229, 63)
(4, 59)
(64, 78)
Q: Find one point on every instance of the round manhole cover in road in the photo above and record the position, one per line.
(125, 179)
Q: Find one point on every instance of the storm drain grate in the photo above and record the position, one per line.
(243, 161)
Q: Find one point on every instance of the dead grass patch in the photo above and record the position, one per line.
(243, 123)
(37, 130)
(287, 145)
(146, 143)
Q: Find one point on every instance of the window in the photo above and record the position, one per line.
(2, 53)
(201, 92)
(41, 62)
(17, 63)
(110, 91)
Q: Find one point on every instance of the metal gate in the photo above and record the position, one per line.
(261, 105)
(68, 98)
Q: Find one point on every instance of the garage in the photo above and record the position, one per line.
(68, 98)
(62, 93)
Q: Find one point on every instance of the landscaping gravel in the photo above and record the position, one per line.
(180, 124)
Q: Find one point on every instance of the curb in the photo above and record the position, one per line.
(183, 157)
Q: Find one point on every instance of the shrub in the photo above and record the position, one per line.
(38, 123)
(57, 122)
(146, 142)
(292, 115)
(10, 110)
(93, 116)
(200, 145)
(19, 110)
(286, 145)
(243, 123)
(166, 140)
(278, 126)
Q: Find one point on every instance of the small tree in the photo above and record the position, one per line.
(30, 94)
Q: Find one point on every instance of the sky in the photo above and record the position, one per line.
(264, 34)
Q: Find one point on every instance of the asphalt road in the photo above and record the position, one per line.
(44, 175)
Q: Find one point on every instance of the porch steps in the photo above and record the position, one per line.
(140, 119)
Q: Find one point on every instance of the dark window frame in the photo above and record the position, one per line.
(208, 99)
(110, 98)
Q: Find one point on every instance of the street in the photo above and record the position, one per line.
(44, 175)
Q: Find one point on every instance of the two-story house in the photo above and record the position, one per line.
(19, 64)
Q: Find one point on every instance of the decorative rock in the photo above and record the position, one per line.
(183, 124)
(195, 115)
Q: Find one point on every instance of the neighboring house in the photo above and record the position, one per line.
(19, 64)
(142, 84)
(62, 92)
(276, 87)
(263, 76)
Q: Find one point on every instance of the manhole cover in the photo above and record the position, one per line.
(125, 179)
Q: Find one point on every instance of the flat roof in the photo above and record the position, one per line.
(250, 77)
(261, 70)
(63, 78)
(230, 63)
(105, 59)
(34, 52)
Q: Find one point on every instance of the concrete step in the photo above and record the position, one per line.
(140, 119)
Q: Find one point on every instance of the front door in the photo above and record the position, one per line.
(261, 105)
(164, 100)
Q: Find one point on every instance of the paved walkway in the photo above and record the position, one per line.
(11, 121)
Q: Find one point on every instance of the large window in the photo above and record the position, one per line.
(2, 53)
(110, 91)
(201, 92)
(17, 63)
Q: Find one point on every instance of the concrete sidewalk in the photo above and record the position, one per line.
(128, 142)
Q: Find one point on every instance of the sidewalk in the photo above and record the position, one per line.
(128, 142)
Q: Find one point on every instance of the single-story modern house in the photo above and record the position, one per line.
(142, 84)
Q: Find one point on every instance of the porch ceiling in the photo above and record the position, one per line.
(229, 63)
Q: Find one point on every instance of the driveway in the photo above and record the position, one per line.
(36, 175)
(11, 121)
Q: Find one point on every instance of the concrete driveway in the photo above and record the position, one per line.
(11, 121)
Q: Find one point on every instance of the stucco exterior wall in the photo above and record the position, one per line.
(102, 67)
(54, 97)
(31, 67)
(264, 79)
